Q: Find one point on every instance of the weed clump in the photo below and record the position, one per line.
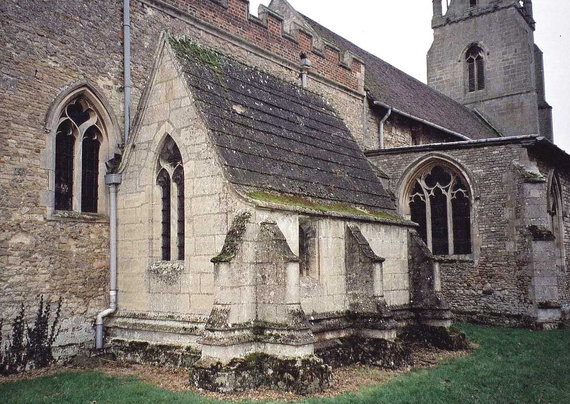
(30, 347)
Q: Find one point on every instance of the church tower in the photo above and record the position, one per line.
(483, 55)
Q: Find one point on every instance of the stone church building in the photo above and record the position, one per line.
(203, 184)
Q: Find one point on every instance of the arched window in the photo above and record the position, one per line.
(440, 203)
(475, 59)
(170, 180)
(555, 210)
(78, 139)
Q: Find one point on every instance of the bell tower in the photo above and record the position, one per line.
(483, 55)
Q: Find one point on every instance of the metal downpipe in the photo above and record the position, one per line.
(113, 180)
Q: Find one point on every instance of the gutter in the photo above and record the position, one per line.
(113, 180)
(525, 140)
(415, 118)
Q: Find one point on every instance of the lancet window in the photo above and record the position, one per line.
(440, 203)
(170, 181)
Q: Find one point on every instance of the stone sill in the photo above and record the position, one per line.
(454, 258)
(71, 216)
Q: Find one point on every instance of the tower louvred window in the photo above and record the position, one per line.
(475, 59)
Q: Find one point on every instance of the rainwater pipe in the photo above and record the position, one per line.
(113, 180)
(381, 127)
(305, 67)
(127, 65)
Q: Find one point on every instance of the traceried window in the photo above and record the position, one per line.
(78, 140)
(475, 59)
(440, 203)
(170, 181)
(556, 218)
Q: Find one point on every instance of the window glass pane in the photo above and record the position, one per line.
(471, 70)
(90, 171)
(418, 210)
(164, 182)
(440, 241)
(64, 145)
(461, 224)
(418, 213)
(480, 73)
(179, 179)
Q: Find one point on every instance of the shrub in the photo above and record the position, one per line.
(30, 347)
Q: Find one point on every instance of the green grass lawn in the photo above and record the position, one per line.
(510, 366)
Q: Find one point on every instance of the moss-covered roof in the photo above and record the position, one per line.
(276, 137)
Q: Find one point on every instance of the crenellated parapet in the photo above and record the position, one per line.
(280, 30)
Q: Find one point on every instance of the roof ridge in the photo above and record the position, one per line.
(406, 80)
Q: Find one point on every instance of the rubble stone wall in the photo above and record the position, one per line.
(492, 284)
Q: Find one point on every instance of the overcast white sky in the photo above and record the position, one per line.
(399, 31)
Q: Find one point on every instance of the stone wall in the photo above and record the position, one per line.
(493, 283)
(398, 131)
(209, 204)
(565, 177)
(509, 99)
(74, 42)
(563, 281)
(65, 256)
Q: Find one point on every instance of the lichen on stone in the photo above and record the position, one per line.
(541, 233)
(233, 238)
(167, 272)
(321, 206)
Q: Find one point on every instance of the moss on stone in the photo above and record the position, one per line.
(186, 49)
(233, 238)
(320, 206)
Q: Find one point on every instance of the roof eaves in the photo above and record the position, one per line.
(415, 118)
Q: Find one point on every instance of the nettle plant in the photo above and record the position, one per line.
(30, 347)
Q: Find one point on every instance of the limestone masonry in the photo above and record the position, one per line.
(283, 199)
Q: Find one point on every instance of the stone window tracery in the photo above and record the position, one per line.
(170, 180)
(439, 202)
(475, 59)
(78, 139)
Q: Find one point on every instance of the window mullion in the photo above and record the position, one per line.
(77, 172)
(428, 219)
(451, 246)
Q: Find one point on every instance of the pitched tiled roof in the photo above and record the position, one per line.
(275, 136)
(398, 90)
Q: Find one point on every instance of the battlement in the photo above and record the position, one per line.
(459, 10)
(270, 32)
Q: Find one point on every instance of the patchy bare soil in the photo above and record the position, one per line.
(345, 380)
